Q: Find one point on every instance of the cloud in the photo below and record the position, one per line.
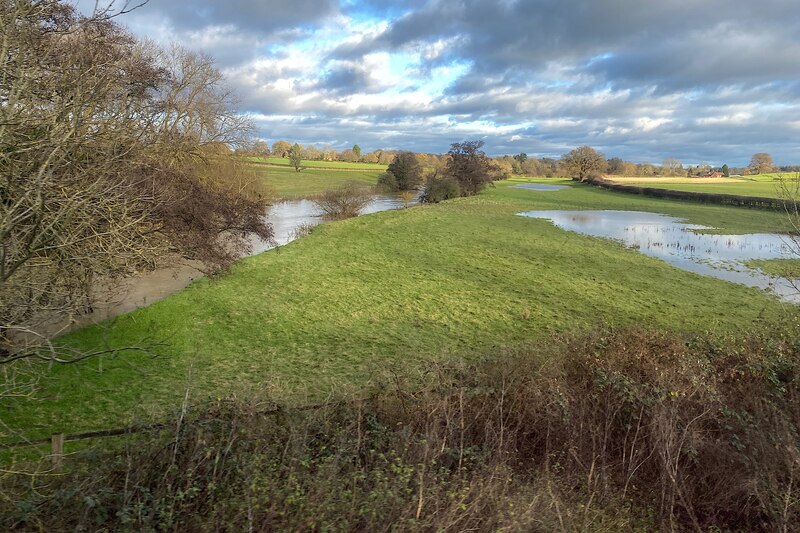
(642, 79)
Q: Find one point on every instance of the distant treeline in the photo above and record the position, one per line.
(524, 165)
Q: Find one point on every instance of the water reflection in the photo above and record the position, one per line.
(676, 242)
(540, 187)
(287, 217)
(146, 288)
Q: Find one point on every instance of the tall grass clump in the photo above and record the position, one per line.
(618, 430)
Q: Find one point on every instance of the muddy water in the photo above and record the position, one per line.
(142, 290)
(678, 243)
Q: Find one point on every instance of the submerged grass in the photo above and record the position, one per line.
(406, 288)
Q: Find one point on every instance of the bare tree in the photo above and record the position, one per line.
(312, 153)
(582, 162)
(761, 163)
(281, 148)
(109, 158)
(344, 202)
(671, 166)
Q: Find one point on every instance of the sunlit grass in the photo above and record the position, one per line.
(397, 288)
(319, 164)
(759, 186)
(784, 268)
(286, 183)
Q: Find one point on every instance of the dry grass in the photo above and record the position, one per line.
(615, 431)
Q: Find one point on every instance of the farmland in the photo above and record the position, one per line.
(766, 186)
(285, 183)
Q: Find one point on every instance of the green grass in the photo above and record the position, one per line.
(784, 268)
(398, 288)
(284, 182)
(770, 177)
(764, 188)
(343, 165)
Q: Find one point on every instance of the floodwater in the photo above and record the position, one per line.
(678, 243)
(149, 287)
(289, 217)
(540, 187)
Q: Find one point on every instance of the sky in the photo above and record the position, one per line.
(710, 81)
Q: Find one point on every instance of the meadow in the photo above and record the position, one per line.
(337, 165)
(765, 186)
(399, 289)
(785, 268)
(287, 184)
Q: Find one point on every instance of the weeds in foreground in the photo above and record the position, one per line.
(630, 430)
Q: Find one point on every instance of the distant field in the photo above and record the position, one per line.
(286, 183)
(343, 165)
(766, 186)
(771, 177)
(396, 289)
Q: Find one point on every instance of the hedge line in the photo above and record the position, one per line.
(721, 199)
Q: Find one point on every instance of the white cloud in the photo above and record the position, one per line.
(648, 82)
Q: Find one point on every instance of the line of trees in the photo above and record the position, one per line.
(113, 153)
(585, 160)
(464, 171)
(312, 152)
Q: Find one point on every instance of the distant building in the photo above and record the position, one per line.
(712, 174)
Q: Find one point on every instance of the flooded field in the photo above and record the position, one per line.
(287, 219)
(679, 244)
(540, 187)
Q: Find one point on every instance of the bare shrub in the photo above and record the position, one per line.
(302, 230)
(407, 197)
(612, 431)
(112, 154)
(344, 202)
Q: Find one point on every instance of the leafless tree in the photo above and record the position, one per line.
(761, 163)
(671, 166)
(344, 202)
(108, 159)
(582, 162)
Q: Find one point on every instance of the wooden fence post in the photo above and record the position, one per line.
(57, 456)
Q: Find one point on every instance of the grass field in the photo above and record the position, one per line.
(399, 288)
(784, 268)
(765, 186)
(286, 183)
(770, 177)
(341, 165)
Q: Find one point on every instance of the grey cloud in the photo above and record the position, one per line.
(641, 79)
(528, 35)
(348, 78)
(259, 17)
